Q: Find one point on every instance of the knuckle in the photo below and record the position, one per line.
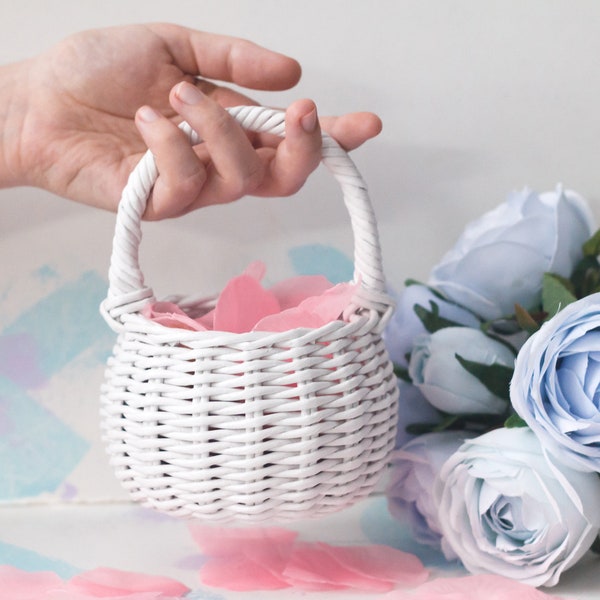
(246, 182)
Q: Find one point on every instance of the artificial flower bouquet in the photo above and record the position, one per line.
(498, 360)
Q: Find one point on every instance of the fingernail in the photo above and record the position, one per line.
(147, 114)
(309, 121)
(188, 93)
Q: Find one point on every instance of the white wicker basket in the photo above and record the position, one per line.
(254, 426)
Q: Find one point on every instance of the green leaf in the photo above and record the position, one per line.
(514, 421)
(525, 320)
(586, 276)
(495, 377)
(431, 319)
(448, 421)
(592, 246)
(557, 293)
(402, 373)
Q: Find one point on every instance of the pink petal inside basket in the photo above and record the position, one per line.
(170, 315)
(246, 305)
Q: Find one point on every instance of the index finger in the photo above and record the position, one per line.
(228, 58)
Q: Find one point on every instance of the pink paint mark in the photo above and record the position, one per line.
(19, 360)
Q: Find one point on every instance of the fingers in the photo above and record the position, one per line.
(226, 165)
(228, 58)
(352, 130)
(297, 155)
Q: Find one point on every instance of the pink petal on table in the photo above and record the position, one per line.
(22, 585)
(473, 587)
(242, 303)
(292, 318)
(268, 545)
(290, 292)
(244, 558)
(331, 304)
(113, 583)
(314, 567)
(170, 315)
(240, 573)
(381, 563)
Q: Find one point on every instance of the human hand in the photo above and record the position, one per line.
(75, 131)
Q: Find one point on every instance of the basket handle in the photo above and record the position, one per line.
(127, 291)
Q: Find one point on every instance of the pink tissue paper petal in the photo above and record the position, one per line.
(290, 292)
(381, 563)
(331, 304)
(256, 269)
(112, 583)
(242, 303)
(21, 585)
(244, 559)
(267, 545)
(313, 567)
(74, 595)
(241, 574)
(170, 315)
(473, 587)
(292, 318)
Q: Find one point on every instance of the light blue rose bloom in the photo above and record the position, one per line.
(446, 384)
(405, 325)
(500, 258)
(556, 384)
(413, 469)
(507, 507)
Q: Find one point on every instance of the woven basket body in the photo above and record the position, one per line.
(256, 426)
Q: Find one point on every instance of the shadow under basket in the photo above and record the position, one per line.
(255, 426)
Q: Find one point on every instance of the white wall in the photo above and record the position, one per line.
(477, 98)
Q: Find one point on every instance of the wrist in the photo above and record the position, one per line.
(13, 110)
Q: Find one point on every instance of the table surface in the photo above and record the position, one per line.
(70, 538)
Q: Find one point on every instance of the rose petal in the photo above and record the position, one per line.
(244, 559)
(240, 573)
(170, 315)
(312, 568)
(242, 303)
(381, 563)
(21, 585)
(331, 304)
(256, 269)
(290, 292)
(112, 583)
(292, 318)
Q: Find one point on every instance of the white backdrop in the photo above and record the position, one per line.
(477, 98)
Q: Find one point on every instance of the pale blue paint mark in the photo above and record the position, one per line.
(381, 528)
(65, 323)
(37, 451)
(30, 561)
(46, 273)
(320, 259)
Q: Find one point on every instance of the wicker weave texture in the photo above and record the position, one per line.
(257, 426)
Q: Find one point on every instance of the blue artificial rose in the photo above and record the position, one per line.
(405, 325)
(443, 380)
(507, 507)
(501, 257)
(413, 470)
(556, 384)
